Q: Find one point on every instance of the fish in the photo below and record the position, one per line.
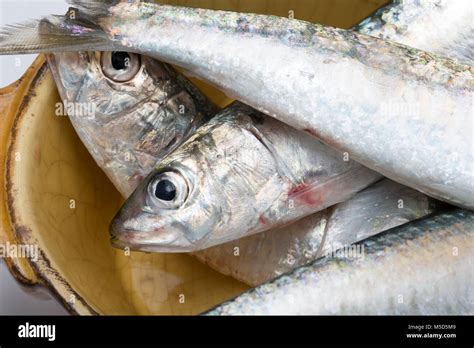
(129, 110)
(425, 267)
(400, 111)
(262, 257)
(240, 174)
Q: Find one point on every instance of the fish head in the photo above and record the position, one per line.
(129, 110)
(153, 218)
(206, 193)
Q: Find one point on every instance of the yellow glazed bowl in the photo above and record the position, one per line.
(54, 196)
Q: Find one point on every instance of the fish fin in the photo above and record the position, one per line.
(54, 34)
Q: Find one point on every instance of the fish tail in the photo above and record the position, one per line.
(76, 31)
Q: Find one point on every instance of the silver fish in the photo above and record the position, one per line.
(240, 174)
(384, 103)
(264, 256)
(129, 110)
(425, 267)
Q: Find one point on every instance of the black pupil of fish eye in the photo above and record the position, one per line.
(120, 60)
(165, 190)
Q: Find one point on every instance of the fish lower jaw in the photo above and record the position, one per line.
(171, 244)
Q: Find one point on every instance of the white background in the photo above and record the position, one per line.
(14, 298)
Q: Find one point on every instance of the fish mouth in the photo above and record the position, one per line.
(118, 243)
(161, 242)
(129, 235)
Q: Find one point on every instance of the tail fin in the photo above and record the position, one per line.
(78, 30)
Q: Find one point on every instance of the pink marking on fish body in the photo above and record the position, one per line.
(305, 194)
(263, 220)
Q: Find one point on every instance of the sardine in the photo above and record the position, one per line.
(400, 111)
(264, 256)
(240, 174)
(129, 110)
(425, 267)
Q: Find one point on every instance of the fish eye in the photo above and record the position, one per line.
(120, 66)
(165, 190)
(168, 190)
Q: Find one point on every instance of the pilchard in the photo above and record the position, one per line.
(264, 256)
(240, 174)
(425, 267)
(400, 111)
(129, 110)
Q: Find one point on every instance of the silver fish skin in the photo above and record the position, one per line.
(128, 118)
(262, 257)
(425, 267)
(397, 110)
(240, 174)
(440, 26)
